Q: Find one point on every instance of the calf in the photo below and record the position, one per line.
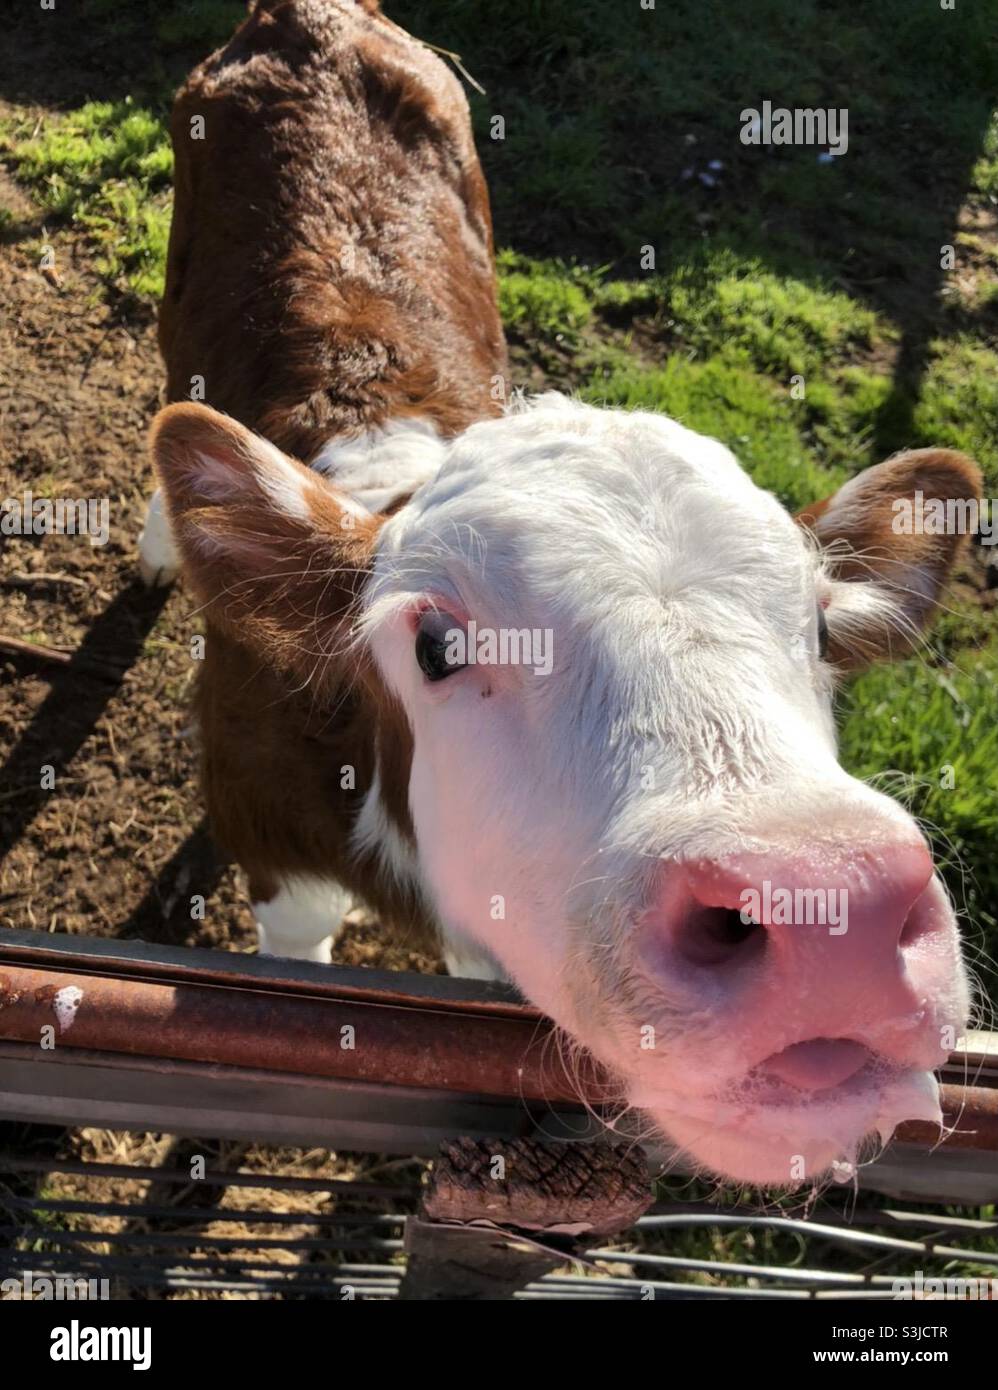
(553, 684)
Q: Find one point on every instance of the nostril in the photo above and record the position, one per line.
(716, 935)
(919, 921)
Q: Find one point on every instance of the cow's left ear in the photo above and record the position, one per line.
(890, 537)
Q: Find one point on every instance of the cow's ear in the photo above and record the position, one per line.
(276, 555)
(889, 538)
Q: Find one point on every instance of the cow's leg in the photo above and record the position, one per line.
(467, 963)
(159, 563)
(301, 918)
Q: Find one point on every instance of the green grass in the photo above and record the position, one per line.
(958, 403)
(106, 167)
(934, 727)
(784, 268)
(545, 298)
(985, 171)
(780, 324)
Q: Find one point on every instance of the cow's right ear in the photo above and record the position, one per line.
(276, 555)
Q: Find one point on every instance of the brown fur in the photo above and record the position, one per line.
(330, 266)
(863, 546)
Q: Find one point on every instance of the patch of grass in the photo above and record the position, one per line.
(200, 22)
(984, 175)
(541, 297)
(629, 298)
(134, 235)
(935, 728)
(568, 162)
(839, 411)
(777, 322)
(176, 23)
(106, 167)
(962, 623)
(958, 404)
(607, 106)
(76, 155)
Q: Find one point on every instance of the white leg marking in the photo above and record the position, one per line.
(159, 562)
(466, 964)
(303, 918)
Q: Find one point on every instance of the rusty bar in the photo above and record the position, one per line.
(973, 1063)
(347, 1038)
(181, 965)
(276, 1016)
(970, 1114)
(391, 1043)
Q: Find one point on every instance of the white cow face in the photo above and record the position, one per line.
(616, 656)
(613, 651)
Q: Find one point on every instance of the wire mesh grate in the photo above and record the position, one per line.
(170, 1244)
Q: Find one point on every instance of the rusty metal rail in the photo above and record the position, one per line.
(326, 1054)
(349, 1036)
(406, 1030)
(206, 1042)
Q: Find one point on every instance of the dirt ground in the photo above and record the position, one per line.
(117, 845)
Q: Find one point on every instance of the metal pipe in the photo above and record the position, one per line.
(329, 1023)
(438, 1047)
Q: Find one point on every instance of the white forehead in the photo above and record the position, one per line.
(557, 500)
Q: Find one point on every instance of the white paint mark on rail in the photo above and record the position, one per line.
(66, 1003)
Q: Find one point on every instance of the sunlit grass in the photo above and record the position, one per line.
(106, 169)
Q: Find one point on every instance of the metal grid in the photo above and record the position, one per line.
(199, 1043)
(355, 1251)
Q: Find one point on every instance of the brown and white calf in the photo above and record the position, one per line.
(553, 683)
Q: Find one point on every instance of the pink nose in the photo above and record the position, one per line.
(835, 943)
(859, 891)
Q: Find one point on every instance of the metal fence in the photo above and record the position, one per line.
(356, 1247)
(133, 1037)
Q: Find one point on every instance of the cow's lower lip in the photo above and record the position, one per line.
(773, 1135)
(763, 1089)
(818, 1065)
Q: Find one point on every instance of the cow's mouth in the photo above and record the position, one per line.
(767, 1132)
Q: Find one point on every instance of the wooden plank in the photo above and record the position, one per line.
(496, 1215)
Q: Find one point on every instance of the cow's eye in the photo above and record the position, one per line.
(439, 648)
(822, 633)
